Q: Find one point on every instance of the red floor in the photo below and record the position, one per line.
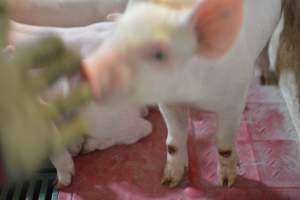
(268, 146)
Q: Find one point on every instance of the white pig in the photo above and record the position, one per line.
(64, 13)
(108, 126)
(198, 57)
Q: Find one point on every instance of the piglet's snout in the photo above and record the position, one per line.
(106, 74)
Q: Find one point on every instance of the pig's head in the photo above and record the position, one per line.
(151, 44)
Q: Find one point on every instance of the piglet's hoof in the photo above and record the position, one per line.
(173, 175)
(227, 175)
(58, 185)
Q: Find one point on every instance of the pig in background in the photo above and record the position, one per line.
(283, 52)
(200, 57)
(108, 124)
(63, 13)
(281, 60)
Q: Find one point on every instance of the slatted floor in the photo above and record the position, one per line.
(38, 188)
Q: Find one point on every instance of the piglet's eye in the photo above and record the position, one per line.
(159, 55)
(157, 51)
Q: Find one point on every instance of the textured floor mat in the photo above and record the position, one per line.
(268, 146)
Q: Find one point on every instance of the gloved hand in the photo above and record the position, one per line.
(26, 123)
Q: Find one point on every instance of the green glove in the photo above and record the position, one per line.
(27, 125)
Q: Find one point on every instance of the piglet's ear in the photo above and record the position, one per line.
(217, 24)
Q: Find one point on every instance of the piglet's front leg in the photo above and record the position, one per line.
(65, 168)
(175, 117)
(228, 161)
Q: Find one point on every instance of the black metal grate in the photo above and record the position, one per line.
(38, 188)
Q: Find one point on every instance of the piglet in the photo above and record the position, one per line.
(199, 56)
(108, 125)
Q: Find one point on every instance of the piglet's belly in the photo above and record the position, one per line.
(110, 125)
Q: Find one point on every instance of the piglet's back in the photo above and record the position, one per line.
(176, 4)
